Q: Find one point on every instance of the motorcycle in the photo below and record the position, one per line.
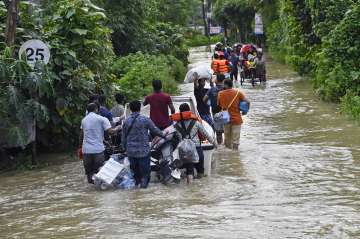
(163, 165)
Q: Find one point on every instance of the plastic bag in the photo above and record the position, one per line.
(127, 182)
(199, 72)
(222, 117)
(244, 107)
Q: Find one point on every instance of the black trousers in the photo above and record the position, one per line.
(234, 75)
(92, 163)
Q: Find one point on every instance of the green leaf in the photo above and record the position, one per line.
(79, 31)
(85, 9)
(99, 15)
(72, 53)
(17, 136)
(70, 13)
(66, 73)
(93, 6)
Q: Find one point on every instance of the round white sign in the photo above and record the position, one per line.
(34, 50)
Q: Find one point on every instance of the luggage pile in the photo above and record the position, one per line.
(115, 174)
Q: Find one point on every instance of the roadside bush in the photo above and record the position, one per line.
(137, 71)
(197, 39)
(338, 75)
(21, 95)
(81, 57)
(350, 104)
(55, 96)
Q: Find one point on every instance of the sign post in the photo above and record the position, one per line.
(215, 30)
(34, 50)
(259, 28)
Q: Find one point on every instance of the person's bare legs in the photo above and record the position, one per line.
(189, 179)
(235, 134)
(228, 136)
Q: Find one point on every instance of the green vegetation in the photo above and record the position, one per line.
(98, 46)
(54, 95)
(320, 39)
(237, 16)
(317, 38)
(137, 71)
(195, 39)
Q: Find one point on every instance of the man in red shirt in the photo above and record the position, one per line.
(159, 106)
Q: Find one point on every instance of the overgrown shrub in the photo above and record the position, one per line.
(81, 55)
(197, 39)
(338, 73)
(21, 95)
(350, 104)
(137, 71)
(320, 39)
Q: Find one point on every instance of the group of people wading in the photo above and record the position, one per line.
(136, 131)
(221, 96)
(228, 60)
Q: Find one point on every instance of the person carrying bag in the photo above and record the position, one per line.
(223, 117)
(190, 150)
(230, 99)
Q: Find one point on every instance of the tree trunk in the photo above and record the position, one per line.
(225, 31)
(12, 14)
(204, 19)
(242, 33)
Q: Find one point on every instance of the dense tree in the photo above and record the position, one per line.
(83, 35)
(12, 16)
(125, 29)
(236, 15)
(53, 96)
(318, 38)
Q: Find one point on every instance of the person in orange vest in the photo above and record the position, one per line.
(188, 125)
(220, 65)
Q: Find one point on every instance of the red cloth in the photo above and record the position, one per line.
(80, 153)
(159, 108)
(246, 48)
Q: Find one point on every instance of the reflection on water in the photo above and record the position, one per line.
(295, 176)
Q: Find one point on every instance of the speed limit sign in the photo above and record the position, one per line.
(34, 50)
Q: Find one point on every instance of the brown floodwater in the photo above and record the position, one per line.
(296, 175)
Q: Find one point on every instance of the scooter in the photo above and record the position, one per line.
(163, 165)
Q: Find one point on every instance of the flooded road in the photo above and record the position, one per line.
(296, 176)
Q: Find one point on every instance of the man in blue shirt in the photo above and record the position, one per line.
(104, 110)
(202, 107)
(135, 140)
(234, 59)
(212, 96)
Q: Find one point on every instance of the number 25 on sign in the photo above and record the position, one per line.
(34, 50)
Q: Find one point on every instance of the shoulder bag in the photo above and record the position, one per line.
(224, 114)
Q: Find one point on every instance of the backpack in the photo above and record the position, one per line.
(187, 148)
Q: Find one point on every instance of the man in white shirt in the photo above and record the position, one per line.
(93, 127)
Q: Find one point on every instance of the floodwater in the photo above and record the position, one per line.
(296, 176)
